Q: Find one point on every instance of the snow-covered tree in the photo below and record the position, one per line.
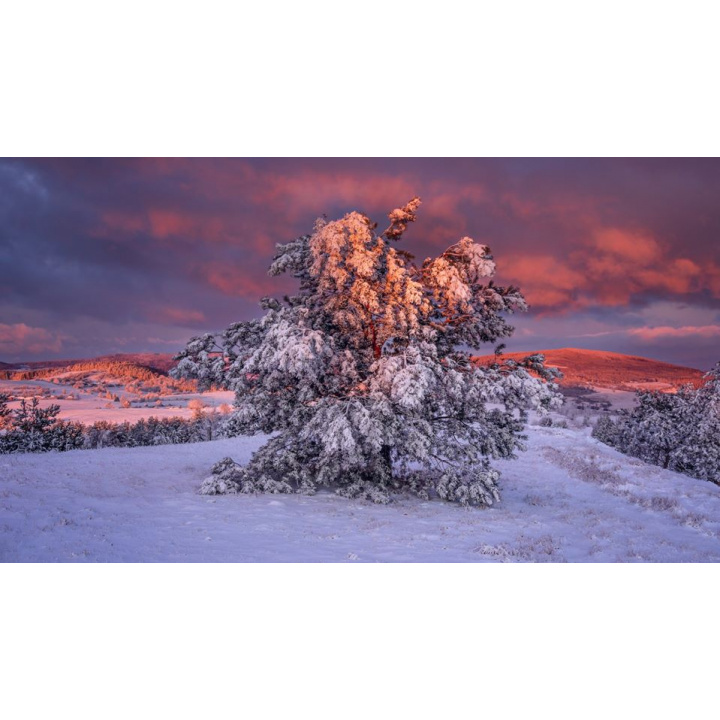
(697, 450)
(363, 377)
(4, 410)
(32, 428)
(677, 431)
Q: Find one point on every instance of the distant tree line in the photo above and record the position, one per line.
(117, 368)
(679, 431)
(31, 428)
(155, 431)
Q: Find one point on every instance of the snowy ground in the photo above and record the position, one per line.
(89, 407)
(568, 498)
(620, 399)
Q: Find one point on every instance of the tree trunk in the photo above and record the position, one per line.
(387, 460)
(376, 347)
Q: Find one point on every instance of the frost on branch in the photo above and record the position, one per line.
(400, 218)
(360, 378)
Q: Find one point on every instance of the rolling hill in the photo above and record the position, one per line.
(159, 362)
(598, 368)
(580, 368)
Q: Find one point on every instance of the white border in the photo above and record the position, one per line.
(329, 641)
(382, 79)
(379, 79)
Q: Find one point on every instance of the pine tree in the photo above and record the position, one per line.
(32, 428)
(4, 410)
(677, 431)
(700, 454)
(364, 376)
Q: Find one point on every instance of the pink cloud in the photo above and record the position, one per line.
(662, 332)
(163, 224)
(166, 223)
(546, 281)
(239, 282)
(312, 191)
(607, 267)
(627, 246)
(20, 339)
(599, 263)
(176, 316)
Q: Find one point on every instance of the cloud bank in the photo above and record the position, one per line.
(121, 254)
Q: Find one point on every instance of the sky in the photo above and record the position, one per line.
(102, 256)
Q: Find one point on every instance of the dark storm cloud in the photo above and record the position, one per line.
(141, 252)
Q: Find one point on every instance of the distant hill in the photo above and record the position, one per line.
(159, 362)
(163, 362)
(597, 368)
(580, 368)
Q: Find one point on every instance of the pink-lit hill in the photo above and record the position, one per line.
(598, 368)
(160, 362)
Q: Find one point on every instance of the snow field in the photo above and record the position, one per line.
(568, 499)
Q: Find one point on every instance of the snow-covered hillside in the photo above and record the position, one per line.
(600, 368)
(568, 498)
(88, 406)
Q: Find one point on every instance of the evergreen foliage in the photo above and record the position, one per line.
(363, 377)
(678, 432)
(155, 431)
(32, 428)
(35, 429)
(4, 410)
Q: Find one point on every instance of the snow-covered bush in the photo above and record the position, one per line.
(607, 431)
(678, 431)
(363, 375)
(32, 428)
(154, 431)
